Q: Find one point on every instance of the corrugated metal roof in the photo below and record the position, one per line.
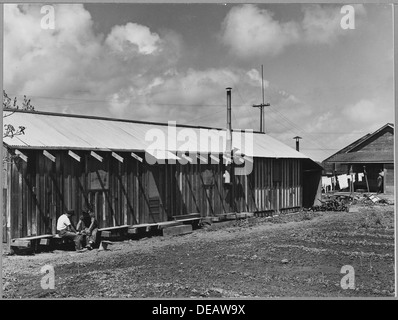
(61, 131)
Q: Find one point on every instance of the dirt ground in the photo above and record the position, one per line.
(297, 255)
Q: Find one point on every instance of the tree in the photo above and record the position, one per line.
(9, 105)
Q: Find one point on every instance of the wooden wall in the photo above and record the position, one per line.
(277, 184)
(39, 191)
(389, 178)
(382, 142)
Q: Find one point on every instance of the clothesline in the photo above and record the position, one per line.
(342, 179)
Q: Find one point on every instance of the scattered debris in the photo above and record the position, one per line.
(104, 245)
(337, 204)
(374, 198)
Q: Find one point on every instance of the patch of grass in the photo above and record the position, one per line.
(306, 216)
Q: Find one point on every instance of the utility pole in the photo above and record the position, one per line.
(229, 178)
(262, 105)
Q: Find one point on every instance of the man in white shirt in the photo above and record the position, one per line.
(65, 229)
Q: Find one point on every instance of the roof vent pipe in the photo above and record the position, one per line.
(297, 142)
(229, 108)
(229, 126)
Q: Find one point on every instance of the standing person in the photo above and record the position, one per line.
(65, 229)
(380, 179)
(88, 225)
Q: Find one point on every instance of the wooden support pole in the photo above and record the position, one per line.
(366, 177)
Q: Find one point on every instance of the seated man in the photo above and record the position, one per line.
(65, 229)
(88, 225)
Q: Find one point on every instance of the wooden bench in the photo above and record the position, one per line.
(190, 220)
(231, 216)
(141, 228)
(193, 219)
(31, 242)
(243, 215)
(114, 232)
(187, 216)
(219, 217)
(167, 224)
(59, 240)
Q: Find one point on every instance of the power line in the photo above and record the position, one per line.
(134, 102)
(296, 127)
(290, 130)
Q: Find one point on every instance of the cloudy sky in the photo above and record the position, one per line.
(161, 62)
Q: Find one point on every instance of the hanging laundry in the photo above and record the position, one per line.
(326, 183)
(360, 176)
(343, 181)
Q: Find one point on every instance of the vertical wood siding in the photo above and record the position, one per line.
(39, 191)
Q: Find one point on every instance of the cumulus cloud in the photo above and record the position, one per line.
(134, 37)
(134, 71)
(72, 61)
(256, 78)
(367, 111)
(130, 72)
(250, 31)
(322, 24)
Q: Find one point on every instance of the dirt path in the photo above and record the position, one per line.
(242, 259)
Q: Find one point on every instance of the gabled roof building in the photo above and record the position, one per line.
(135, 172)
(371, 153)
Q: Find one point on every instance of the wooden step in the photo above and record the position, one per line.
(177, 230)
(20, 243)
(187, 216)
(29, 242)
(111, 232)
(144, 227)
(167, 224)
(125, 226)
(44, 236)
(230, 216)
(190, 220)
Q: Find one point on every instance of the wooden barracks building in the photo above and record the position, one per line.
(371, 153)
(65, 162)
